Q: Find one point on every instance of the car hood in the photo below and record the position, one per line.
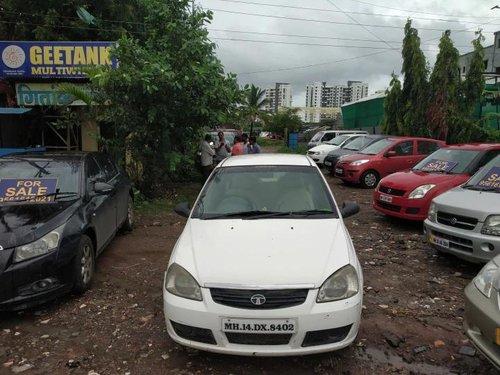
(354, 157)
(24, 223)
(263, 252)
(324, 148)
(409, 180)
(465, 202)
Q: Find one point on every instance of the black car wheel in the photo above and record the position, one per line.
(84, 265)
(369, 179)
(129, 221)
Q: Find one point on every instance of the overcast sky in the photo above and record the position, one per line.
(300, 42)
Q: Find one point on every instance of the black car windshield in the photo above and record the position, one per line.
(444, 160)
(376, 147)
(487, 178)
(261, 192)
(338, 140)
(64, 174)
(358, 143)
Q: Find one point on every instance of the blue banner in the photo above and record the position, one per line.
(435, 165)
(491, 179)
(52, 59)
(27, 190)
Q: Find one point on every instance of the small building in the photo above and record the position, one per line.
(365, 114)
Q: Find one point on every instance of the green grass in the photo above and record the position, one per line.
(301, 149)
(166, 204)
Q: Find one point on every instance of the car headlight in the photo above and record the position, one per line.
(491, 225)
(44, 245)
(431, 215)
(180, 282)
(316, 153)
(484, 279)
(420, 191)
(359, 162)
(342, 284)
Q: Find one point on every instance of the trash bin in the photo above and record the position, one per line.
(293, 140)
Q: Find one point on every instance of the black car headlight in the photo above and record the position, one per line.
(44, 245)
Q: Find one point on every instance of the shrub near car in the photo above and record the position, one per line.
(57, 213)
(384, 157)
(244, 277)
(465, 221)
(408, 194)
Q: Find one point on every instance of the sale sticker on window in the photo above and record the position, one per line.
(29, 190)
(435, 165)
(491, 179)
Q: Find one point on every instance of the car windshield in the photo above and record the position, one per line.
(447, 161)
(337, 141)
(65, 174)
(376, 147)
(259, 192)
(357, 143)
(487, 178)
(317, 137)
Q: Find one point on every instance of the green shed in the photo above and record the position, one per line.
(365, 114)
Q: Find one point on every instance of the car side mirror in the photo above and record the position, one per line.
(183, 209)
(390, 153)
(102, 188)
(349, 208)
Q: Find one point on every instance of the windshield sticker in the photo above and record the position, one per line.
(29, 190)
(491, 179)
(436, 165)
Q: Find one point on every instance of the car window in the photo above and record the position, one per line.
(487, 157)
(107, 166)
(338, 140)
(488, 177)
(317, 137)
(426, 147)
(264, 189)
(403, 148)
(453, 161)
(93, 171)
(328, 136)
(378, 146)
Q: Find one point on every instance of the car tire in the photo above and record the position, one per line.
(84, 265)
(369, 179)
(129, 220)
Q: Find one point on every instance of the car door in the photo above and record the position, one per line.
(102, 207)
(403, 157)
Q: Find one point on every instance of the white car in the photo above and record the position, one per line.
(318, 153)
(245, 276)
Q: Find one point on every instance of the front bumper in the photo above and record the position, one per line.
(402, 207)
(482, 322)
(470, 245)
(206, 316)
(318, 159)
(348, 173)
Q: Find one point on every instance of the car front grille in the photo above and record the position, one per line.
(387, 190)
(388, 206)
(258, 338)
(457, 243)
(457, 221)
(274, 299)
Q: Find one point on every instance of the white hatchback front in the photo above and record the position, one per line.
(246, 277)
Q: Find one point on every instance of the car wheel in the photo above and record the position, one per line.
(369, 179)
(129, 220)
(84, 265)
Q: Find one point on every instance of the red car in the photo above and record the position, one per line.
(408, 194)
(384, 157)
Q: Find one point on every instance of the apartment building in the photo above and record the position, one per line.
(278, 97)
(319, 95)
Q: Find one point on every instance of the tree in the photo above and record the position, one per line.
(254, 102)
(392, 108)
(286, 119)
(473, 84)
(444, 109)
(414, 96)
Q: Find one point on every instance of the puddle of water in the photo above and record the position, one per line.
(382, 358)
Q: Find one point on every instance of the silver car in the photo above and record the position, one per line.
(482, 316)
(465, 221)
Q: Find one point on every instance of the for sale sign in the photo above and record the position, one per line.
(491, 179)
(30, 190)
(436, 165)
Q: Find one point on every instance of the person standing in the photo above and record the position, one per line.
(223, 149)
(207, 157)
(253, 147)
(237, 147)
(244, 142)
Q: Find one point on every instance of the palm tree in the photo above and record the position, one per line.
(255, 100)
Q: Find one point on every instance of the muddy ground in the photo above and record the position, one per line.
(411, 323)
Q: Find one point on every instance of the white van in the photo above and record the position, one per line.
(324, 136)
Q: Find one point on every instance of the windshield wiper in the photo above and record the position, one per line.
(481, 188)
(34, 197)
(290, 213)
(233, 214)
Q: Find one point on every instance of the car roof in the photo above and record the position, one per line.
(52, 155)
(475, 146)
(267, 159)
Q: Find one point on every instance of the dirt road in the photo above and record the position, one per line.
(411, 323)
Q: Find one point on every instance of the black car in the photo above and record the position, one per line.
(58, 211)
(351, 147)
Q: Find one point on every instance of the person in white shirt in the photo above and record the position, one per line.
(207, 157)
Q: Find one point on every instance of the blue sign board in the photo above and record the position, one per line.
(436, 165)
(491, 179)
(27, 190)
(52, 59)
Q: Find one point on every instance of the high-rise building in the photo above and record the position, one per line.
(279, 96)
(318, 94)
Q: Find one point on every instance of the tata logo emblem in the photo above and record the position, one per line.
(258, 299)
(453, 220)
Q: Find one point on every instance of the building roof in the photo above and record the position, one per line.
(377, 95)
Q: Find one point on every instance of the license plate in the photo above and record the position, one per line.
(259, 325)
(328, 163)
(385, 198)
(339, 171)
(439, 241)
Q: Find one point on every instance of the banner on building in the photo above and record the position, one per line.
(51, 59)
(30, 94)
